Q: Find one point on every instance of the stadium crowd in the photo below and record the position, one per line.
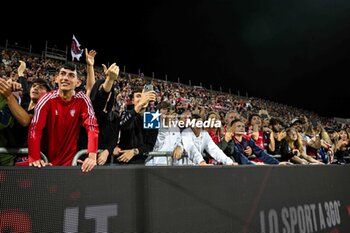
(44, 104)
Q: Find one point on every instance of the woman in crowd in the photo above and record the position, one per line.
(292, 149)
(342, 147)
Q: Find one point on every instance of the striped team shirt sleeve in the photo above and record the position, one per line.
(36, 127)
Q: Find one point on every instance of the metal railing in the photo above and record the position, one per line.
(150, 155)
(22, 151)
(169, 158)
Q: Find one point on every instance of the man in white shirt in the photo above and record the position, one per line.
(195, 140)
(168, 140)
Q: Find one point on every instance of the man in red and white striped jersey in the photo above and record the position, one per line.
(56, 124)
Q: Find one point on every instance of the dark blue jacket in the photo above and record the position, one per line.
(236, 149)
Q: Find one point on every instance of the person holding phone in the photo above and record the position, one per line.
(135, 141)
(151, 105)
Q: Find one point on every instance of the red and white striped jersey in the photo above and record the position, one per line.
(55, 127)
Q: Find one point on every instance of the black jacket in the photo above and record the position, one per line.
(133, 135)
(107, 119)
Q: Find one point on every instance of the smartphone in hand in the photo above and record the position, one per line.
(148, 88)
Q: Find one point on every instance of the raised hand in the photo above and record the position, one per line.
(146, 97)
(5, 88)
(112, 72)
(90, 57)
(21, 68)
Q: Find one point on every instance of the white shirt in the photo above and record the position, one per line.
(195, 146)
(167, 140)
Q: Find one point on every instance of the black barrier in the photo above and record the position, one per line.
(262, 199)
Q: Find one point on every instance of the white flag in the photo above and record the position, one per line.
(76, 51)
